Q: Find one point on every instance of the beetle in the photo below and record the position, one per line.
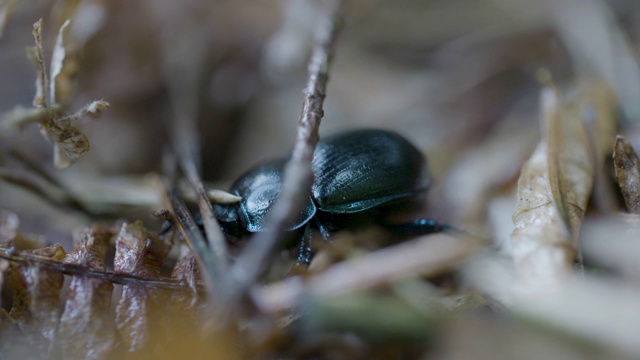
(361, 176)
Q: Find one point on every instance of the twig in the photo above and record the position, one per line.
(298, 176)
(38, 186)
(72, 269)
(216, 240)
(42, 83)
(425, 256)
(42, 171)
(183, 79)
(190, 232)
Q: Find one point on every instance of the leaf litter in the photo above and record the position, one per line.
(566, 265)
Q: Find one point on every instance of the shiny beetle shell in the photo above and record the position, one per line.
(363, 169)
(259, 188)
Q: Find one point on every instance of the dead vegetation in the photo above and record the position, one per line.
(527, 112)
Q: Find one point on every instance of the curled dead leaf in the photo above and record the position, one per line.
(69, 143)
(64, 67)
(627, 168)
(556, 182)
(52, 97)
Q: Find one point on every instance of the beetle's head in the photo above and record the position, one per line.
(227, 215)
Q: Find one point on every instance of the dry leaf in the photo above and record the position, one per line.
(540, 242)
(183, 310)
(69, 143)
(627, 169)
(95, 108)
(64, 68)
(139, 253)
(86, 327)
(51, 102)
(36, 301)
(569, 158)
(555, 185)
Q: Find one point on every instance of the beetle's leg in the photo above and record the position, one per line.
(304, 252)
(167, 225)
(323, 230)
(418, 227)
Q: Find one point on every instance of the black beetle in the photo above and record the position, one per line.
(361, 176)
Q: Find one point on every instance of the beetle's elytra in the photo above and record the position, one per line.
(358, 174)
(362, 169)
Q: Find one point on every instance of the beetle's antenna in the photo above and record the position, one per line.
(298, 176)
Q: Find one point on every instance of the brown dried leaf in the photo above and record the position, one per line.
(556, 183)
(555, 122)
(186, 268)
(86, 328)
(139, 253)
(64, 68)
(37, 56)
(183, 311)
(36, 301)
(540, 243)
(14, 343)
(69, 143)
(94, 109)
(627, 169)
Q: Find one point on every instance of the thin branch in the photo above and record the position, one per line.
(192, 236)
(425, 256)
(72, 269)
(216, 241)
(183, 79)
(298, 176)
(39, 187)
(42, 171)
(42, 82)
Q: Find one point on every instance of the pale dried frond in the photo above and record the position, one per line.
(556, 183)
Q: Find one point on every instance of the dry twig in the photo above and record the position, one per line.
(298, 176)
